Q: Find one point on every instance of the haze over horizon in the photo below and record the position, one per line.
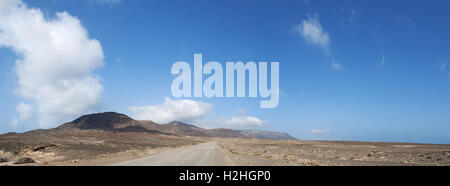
(349, 70)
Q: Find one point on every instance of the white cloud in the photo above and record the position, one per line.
(317, 131)
(191, 111)
(242, 122)
(382, 62)
(443, 66)
(336, 66)
(14, 123)
(347, 14)
(352, 18)
(56, 61)
(171, 110)
(24, 111)
(312, 31)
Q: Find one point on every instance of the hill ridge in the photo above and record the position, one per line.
(117, 122)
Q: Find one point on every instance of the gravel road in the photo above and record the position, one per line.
(205, 154)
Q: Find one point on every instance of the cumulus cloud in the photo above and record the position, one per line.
(316, 131)
(56, 60)
(243, 122)
(172, 110)
(442, 64)
(442, 67)
(24, 111)
(313, 33)
(347, 14)
(382, 62)
(336, 65)
(191, 111)
(14, 123)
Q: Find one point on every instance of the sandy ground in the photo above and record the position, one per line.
(102, 148)
(85, 147)
(335, 153)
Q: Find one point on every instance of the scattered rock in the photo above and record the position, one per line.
(24, 160)
(44, 147)
(39, 148)
(3, 160)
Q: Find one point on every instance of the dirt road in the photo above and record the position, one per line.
(205, 154)
(242, 152)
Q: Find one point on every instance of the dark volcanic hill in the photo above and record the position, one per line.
(270, 135)
(107, 121)
(102, 121)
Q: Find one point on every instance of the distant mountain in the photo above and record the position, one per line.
(116, 122)
(224, 133)
(270, 135)
(184, 129)
(177, 128)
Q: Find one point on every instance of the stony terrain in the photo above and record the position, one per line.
(312, 153)
(80, 145)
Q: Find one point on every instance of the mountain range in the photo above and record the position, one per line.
(116, 122)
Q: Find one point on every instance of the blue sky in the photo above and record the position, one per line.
(366, 70)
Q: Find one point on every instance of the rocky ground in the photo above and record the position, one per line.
(325, 153)
(83, 147)
(92, 147)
